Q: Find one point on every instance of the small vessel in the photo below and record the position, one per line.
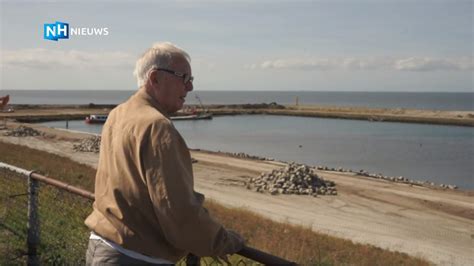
(4, 104)
(192, 117)
(193, 114)
(100, 119)
(96, 119)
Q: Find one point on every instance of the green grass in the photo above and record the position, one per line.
(64, 236)
(13, 218)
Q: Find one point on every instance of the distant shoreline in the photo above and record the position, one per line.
(31, 113)
(460, 101)
(455, 118)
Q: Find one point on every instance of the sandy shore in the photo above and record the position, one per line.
(35, 113)
(434, 224)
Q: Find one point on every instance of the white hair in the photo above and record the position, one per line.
(158, 56)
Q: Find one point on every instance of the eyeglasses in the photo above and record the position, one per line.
(186, 77)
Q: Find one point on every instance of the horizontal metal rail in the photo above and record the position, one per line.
(263, 257)
(248, 252)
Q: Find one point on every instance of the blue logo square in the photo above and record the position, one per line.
(56, 31)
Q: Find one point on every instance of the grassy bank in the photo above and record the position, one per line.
(291, 242)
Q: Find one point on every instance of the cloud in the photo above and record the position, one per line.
(369, 63)
(39, 58)
(302, 64)
(433, 64)
(202, 63)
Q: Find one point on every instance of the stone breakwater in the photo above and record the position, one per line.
(88, 145)
(23, 131)
(245, 156)
(399, 179)
(298, 179)
(93, 145)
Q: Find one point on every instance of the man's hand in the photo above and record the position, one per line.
(239, 238)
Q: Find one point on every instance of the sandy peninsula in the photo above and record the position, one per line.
(460, 118)
(435, 224)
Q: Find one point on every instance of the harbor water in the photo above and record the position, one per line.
(437, 153)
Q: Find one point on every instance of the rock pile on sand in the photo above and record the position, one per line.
(295, 178)
(272, 105)
(246, 156)
(23, 131)
(88, 145)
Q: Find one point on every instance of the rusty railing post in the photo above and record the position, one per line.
(33, 237)
(193, 260)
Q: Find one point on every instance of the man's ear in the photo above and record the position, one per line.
(152, 78)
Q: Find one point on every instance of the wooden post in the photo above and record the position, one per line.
(33, 222)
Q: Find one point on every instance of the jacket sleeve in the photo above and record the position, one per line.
(186, 224)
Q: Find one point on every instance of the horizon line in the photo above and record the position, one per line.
(194, 91)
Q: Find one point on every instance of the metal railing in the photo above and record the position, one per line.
(31, 204)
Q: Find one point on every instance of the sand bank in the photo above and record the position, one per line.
(459, 118)
(37, 113)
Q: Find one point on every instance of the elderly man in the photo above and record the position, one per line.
(146, 209)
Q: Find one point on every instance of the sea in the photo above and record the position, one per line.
(461, 101)
(435, 153)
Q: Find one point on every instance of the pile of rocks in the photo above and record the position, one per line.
(247, 156)
(88, 145)
(338, 169)
(272, 105)
(23, 131)
(295, 178)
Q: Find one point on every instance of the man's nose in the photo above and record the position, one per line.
(189, 86)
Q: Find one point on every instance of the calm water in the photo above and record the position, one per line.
(443, 154)
(424, 100)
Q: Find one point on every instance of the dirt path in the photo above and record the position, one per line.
(434, 224)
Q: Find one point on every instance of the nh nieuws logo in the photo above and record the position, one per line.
(61, 30)
(56, 31)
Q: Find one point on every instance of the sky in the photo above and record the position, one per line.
(352, 45)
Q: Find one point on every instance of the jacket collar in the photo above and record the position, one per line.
(144, 96)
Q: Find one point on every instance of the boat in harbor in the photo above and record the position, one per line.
(100, 119)
(96, 119)
(186, 114)
(192, 116)
(190, 113)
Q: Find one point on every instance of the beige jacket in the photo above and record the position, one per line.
(144, 189)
